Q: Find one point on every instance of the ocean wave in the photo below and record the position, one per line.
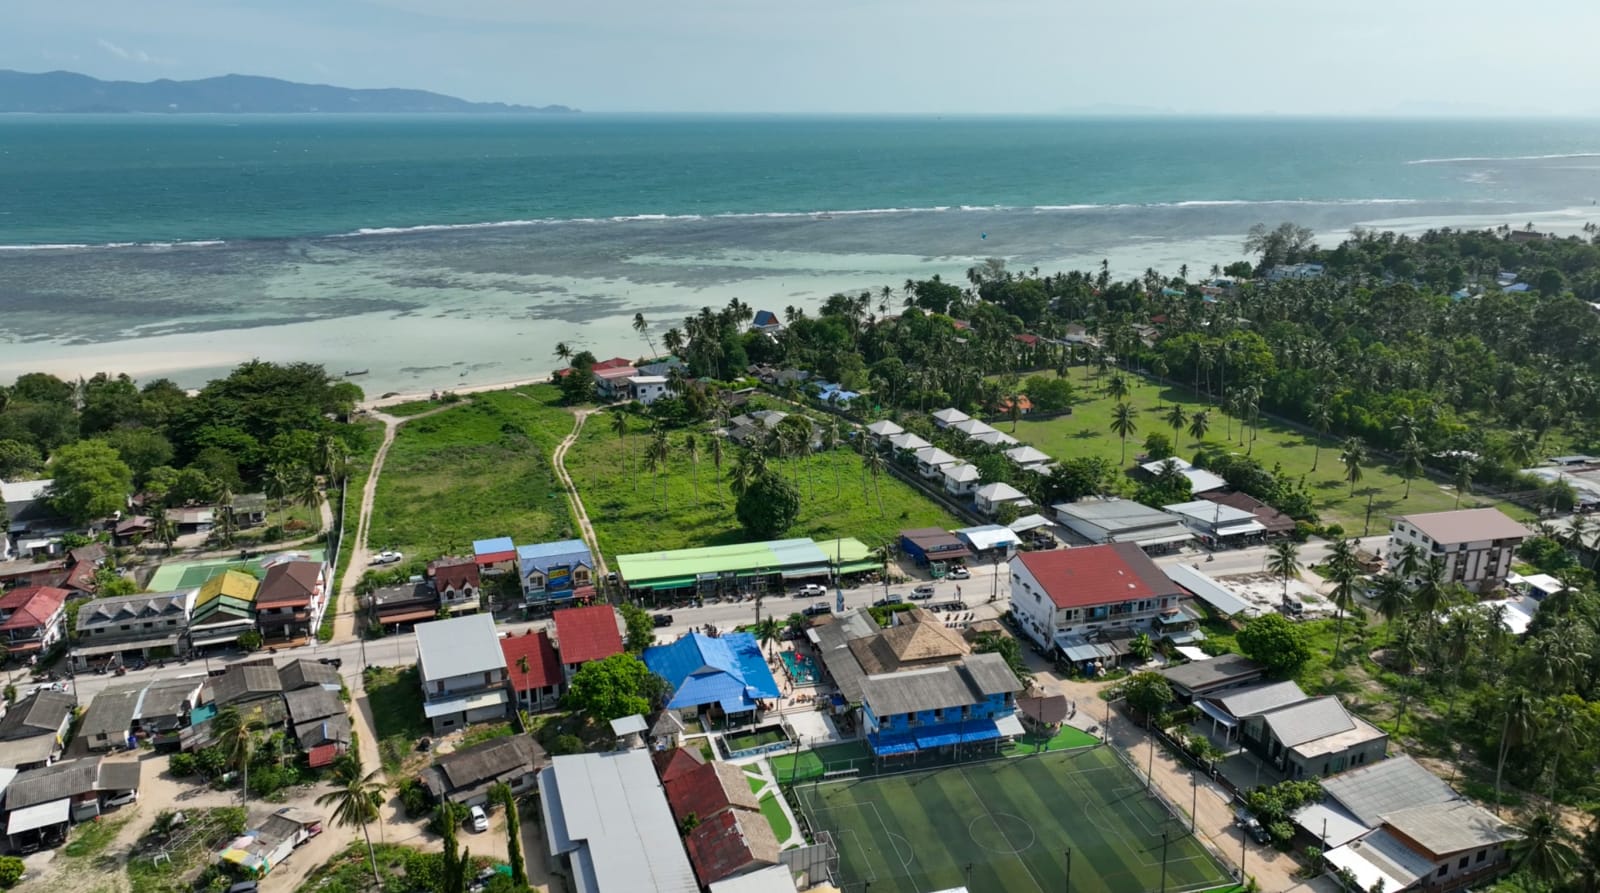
(80, 246)
(1481, 158)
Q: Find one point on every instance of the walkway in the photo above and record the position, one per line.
(760, 772)
(558, 460)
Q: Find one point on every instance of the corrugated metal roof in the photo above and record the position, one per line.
(1387, 786)
(608, 813)
(1260, 698)
(460, 646)
(1445, 828)
(1309, 720)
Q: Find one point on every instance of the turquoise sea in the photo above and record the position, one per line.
(362, 241)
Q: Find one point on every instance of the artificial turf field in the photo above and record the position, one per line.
(1012, 820)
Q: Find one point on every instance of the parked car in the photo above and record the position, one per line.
(887, 600)
(335, 662)
(245, 887)
(478, 818)
(124, 799)
(661, 619)
(923, 591)
(818, 609)
(388, 556)
(959, 573)
(1293, 607)
(811, 590)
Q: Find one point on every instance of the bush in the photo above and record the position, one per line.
(567, 744)
(454, 811)
(272, 534)
(268, 780)
(250, 641)
(374, 630)
(183, 765)
(10, 871)
(415, 798)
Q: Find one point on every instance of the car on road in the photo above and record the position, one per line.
(810, 590)
(818, 609)
(478, 818)
(959, 573)
(887, 600)
(388, 556)
(335, 662)
(1251, 826)
(923, 591)
(661, 619)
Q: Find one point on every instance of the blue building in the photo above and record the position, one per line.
(727, 674)
(555, 572)
(937, 709)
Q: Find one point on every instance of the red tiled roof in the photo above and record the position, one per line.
(725, 844)
(613, 363)
(456, 576)
(585, 634)
(81, 577)
(492, 558)
(671, 764)
(1097, 575)
(1030, 340)
(708, 789)
(544, 668)
(1022, 401)
(290, 584)
(611, 372)
(32, 607)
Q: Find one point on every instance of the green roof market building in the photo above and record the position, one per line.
(710, 569)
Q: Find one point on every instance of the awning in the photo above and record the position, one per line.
(860, 567)
(1244, 529)
(41, 815)
(1082, 651)
(432, 709)
(815, 570)
(674, 583)
(982, 730)
(891, 745)
(217, 640)
(1216, 713)
(407, 616)
(1010, 726)
(131, 645)
(1186, 637)
(1157, 540)
(944, 736)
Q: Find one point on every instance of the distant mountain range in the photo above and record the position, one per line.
(66, 91)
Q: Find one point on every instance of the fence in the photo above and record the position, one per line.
(820, 856)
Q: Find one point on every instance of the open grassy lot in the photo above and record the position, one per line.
(395, 695)
(1087, 432)
(1006, 825)
(636, 510)
(477, 470)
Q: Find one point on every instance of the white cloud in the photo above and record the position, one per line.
(133, 55)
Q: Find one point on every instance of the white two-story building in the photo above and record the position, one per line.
(463, 672)
(1476, 546)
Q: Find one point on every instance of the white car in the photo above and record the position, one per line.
(811, 590)
(959, 573)
(388, 556)
(124, 799)
(478, 818)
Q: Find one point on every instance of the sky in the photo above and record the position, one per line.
(1352, 57)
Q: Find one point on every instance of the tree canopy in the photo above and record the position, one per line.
(768, 507)
(1276, 643)
(617, 686)
(90, 481)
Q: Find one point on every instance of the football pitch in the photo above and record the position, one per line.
(1007, 825)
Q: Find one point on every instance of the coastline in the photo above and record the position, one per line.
(396, 399)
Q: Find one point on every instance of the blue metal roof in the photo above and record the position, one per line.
(729, 670)
(885, 745)
(498, 544)
(545, 555)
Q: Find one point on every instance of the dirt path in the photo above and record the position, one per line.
(558, 460)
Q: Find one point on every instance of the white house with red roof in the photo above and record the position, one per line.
(586, 634)
(32, 619)
(1068, 599)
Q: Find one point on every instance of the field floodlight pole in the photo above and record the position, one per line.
(1066, 884)
(1194, 796)
(969, 875)
(1164, 839)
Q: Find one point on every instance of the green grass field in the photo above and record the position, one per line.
(1087, 432)
(477, 470)
(1006, 825)
(836, 498)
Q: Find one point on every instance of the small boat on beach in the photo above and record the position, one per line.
(352, 373)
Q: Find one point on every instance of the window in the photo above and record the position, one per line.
(938, 714)
(1482, 854)
(1463, 863)
(1444, 869)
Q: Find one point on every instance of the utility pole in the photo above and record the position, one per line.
(1164, 838)
(1194, 796)
(1067, 884)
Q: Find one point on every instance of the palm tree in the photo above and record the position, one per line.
(237, 739)
(619, 426)
(1463, 480)
(830, 442)
(1142, 648)
(643, 328)
(716, 461)
(1353, 454)
(1393, 598)
(1176, 417)
(656, 456)
(1344, 600)
(1410, 563)
(563, 351)
(1199, 424)
(1284, 562)
(1117, 387)
(1541, 848)
(1411, 453)
(1321, 420)
(691, 448)
(1124, 426)
(355, 800)
(276, 485)
(769, 631)
(162, 528)
(1522, 446)
(873, 461)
